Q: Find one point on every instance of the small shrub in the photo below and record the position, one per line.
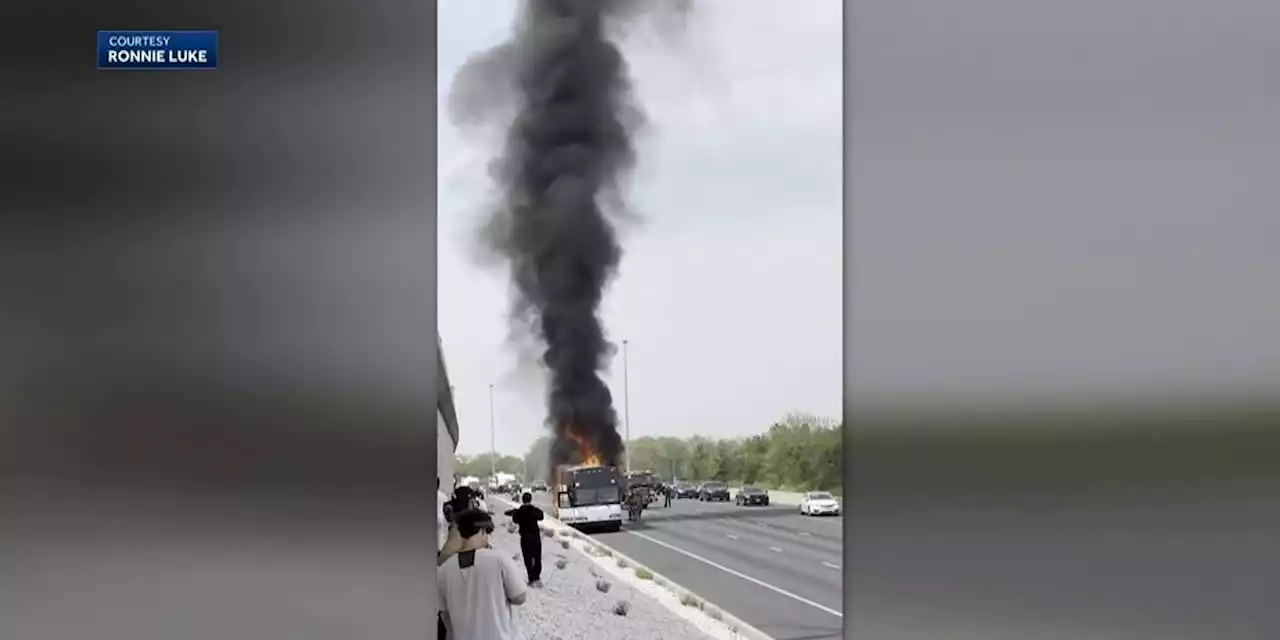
(622, 563)
(549, 533)
(643, 573)
(603, 586)
(622, 608)
(606, 553)
(562, 563)
(690, 600)
(714, 613)
(564, 544)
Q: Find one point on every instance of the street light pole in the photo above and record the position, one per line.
(493, 440)
(626, 404)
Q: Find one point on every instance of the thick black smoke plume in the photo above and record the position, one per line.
(568, 148)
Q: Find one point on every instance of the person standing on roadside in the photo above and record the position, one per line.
(526, 517)
(479, 585)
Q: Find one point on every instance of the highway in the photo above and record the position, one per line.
(769, 566)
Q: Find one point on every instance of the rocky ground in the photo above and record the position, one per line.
(571, 604)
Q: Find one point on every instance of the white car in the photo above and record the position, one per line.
(817, 503)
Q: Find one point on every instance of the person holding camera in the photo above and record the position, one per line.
(478, 585)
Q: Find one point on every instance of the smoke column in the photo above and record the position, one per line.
(568, 148)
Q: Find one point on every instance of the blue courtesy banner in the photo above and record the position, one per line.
(176, 50)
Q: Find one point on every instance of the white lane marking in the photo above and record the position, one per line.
(805, 533)
(738, 574)
(776, 549)
(732, 537)
(831, 565)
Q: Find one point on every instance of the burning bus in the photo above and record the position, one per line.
(589, 497)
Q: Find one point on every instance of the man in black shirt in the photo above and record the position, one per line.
(526, 516)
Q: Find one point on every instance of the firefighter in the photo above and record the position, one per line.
(634, 505)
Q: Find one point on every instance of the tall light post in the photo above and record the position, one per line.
(493, 440)
(626, 404)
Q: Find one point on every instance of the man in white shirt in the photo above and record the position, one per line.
(479, 586)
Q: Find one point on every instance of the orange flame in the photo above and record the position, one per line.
(589, 457)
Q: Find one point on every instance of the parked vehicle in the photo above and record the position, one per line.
(713, 492)
(752, 495)
(819, 503)
(686, 490)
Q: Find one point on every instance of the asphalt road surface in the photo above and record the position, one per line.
(769, 566)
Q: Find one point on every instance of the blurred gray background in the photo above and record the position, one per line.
(1064, 345)
(218, 326)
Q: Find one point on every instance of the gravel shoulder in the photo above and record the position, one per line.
(571, 606)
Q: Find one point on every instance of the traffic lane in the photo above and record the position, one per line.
(779, 559)
(785, 517)
(818, 543)
(778, 615)
(818, 531)
(653, 542)
(750, 528)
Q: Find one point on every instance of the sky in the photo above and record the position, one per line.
(729, 293)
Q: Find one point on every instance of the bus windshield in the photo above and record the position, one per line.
(592, 486)
(588, 496)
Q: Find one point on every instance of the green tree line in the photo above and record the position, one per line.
(480, 466)
(801, 452)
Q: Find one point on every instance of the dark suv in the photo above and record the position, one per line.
(686, 490)
(713, 491)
